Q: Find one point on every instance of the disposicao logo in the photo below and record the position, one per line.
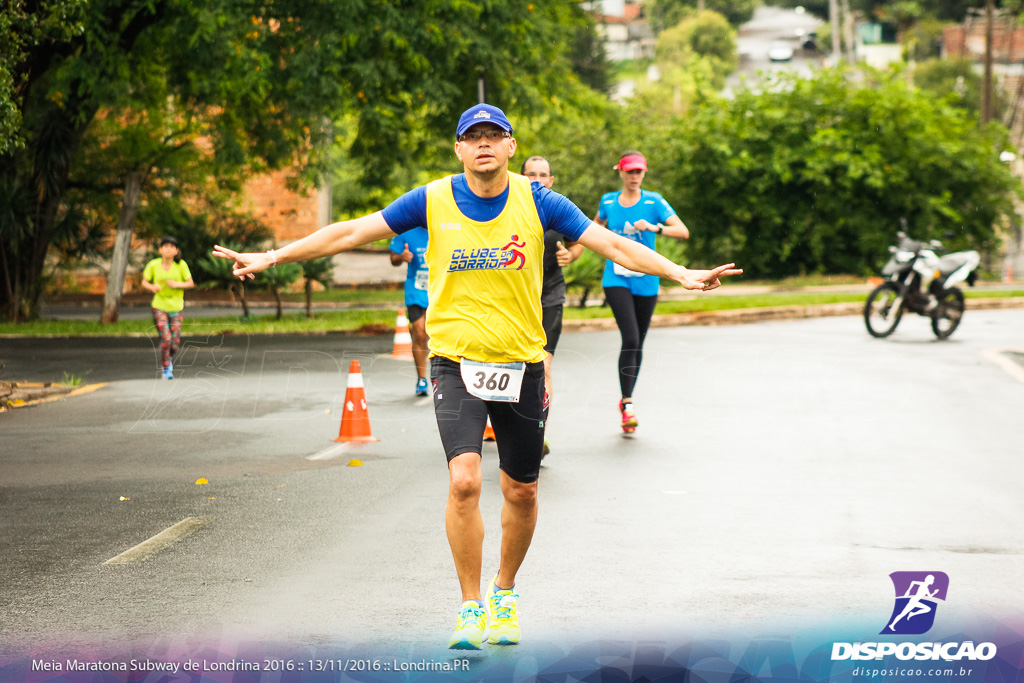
(918, 595)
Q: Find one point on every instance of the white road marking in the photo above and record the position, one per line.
(997, 357)
(167, 537)
(330, 452)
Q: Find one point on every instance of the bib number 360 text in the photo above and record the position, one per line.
(493, 381)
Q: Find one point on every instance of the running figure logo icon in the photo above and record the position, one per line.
(516, 254)
(917, 598)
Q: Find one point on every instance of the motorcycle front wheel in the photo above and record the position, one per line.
(881, 315)
(948, 313)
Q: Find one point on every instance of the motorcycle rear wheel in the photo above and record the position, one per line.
(879, 316)
(949, 312)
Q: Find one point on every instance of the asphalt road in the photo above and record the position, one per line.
(780, 472)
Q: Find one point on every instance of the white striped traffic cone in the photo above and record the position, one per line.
(403, 340)
(355, 417)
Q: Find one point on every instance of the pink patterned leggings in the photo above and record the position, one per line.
(168, 325)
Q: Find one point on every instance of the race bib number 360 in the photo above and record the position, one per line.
(493, 381)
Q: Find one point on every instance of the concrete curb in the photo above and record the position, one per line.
(752, 315)
(25, 394)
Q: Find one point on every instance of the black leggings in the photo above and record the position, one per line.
(633, 316)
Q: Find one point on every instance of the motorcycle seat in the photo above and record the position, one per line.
(950, 262)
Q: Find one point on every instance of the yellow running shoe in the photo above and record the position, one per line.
(503, 626)
(469, 629)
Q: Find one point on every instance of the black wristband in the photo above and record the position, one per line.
(661, 229)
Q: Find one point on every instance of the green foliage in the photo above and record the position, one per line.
(198, 228)
(263, 85)
(280, 277)
(589, 60)
(580, 138)
(667, 13)
(319, 270)
(957, 81)
(886, 10)
(814, 175)
(584, 275)
(316, 270)
(706, 34)
(923, 40)
(216, 274)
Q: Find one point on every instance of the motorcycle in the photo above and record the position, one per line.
(912, 263)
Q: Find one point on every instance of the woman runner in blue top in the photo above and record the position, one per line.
(638, 215)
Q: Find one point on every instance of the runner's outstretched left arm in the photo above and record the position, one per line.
(642, 259)
(327, 241)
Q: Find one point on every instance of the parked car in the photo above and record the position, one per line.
(780, 51)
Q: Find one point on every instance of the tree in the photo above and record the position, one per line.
(957, 82)
(879, 10)
(280, 277)
(217, 275)
(589, 59)
(268, 81)
(814, 175)
(667, 13)
(705, 34)
(316, 270)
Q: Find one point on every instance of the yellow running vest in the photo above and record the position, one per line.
(485, 278)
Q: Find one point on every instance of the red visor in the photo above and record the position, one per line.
(632, 162)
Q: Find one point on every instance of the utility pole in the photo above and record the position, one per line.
(986, 93)
(848, 33)
(835, 24)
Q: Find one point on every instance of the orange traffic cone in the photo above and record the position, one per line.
(489, 432)
(355, 419)
(403, 340)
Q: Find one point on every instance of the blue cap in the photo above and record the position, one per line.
(482, 113)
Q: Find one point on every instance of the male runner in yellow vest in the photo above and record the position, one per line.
(486, 241)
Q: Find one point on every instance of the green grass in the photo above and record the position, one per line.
(994, 294)
(360, 296)
(350, 321)
(797, 281)
(724, 303)
(335, 321)
(728, 303)
(70, 379)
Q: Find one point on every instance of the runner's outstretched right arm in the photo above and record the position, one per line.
(327, 241)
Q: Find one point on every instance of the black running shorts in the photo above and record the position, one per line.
(414, 312)
(552, 318)
(518, 427)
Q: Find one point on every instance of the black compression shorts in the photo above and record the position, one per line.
(518, 427)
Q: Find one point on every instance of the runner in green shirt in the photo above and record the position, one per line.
(167, 277)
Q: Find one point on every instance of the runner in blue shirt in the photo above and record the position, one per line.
(411, 247)
(638, 215)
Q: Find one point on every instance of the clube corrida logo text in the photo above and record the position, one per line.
(508, 257)
(917, 599)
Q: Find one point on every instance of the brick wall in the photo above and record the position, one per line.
(288, 214)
